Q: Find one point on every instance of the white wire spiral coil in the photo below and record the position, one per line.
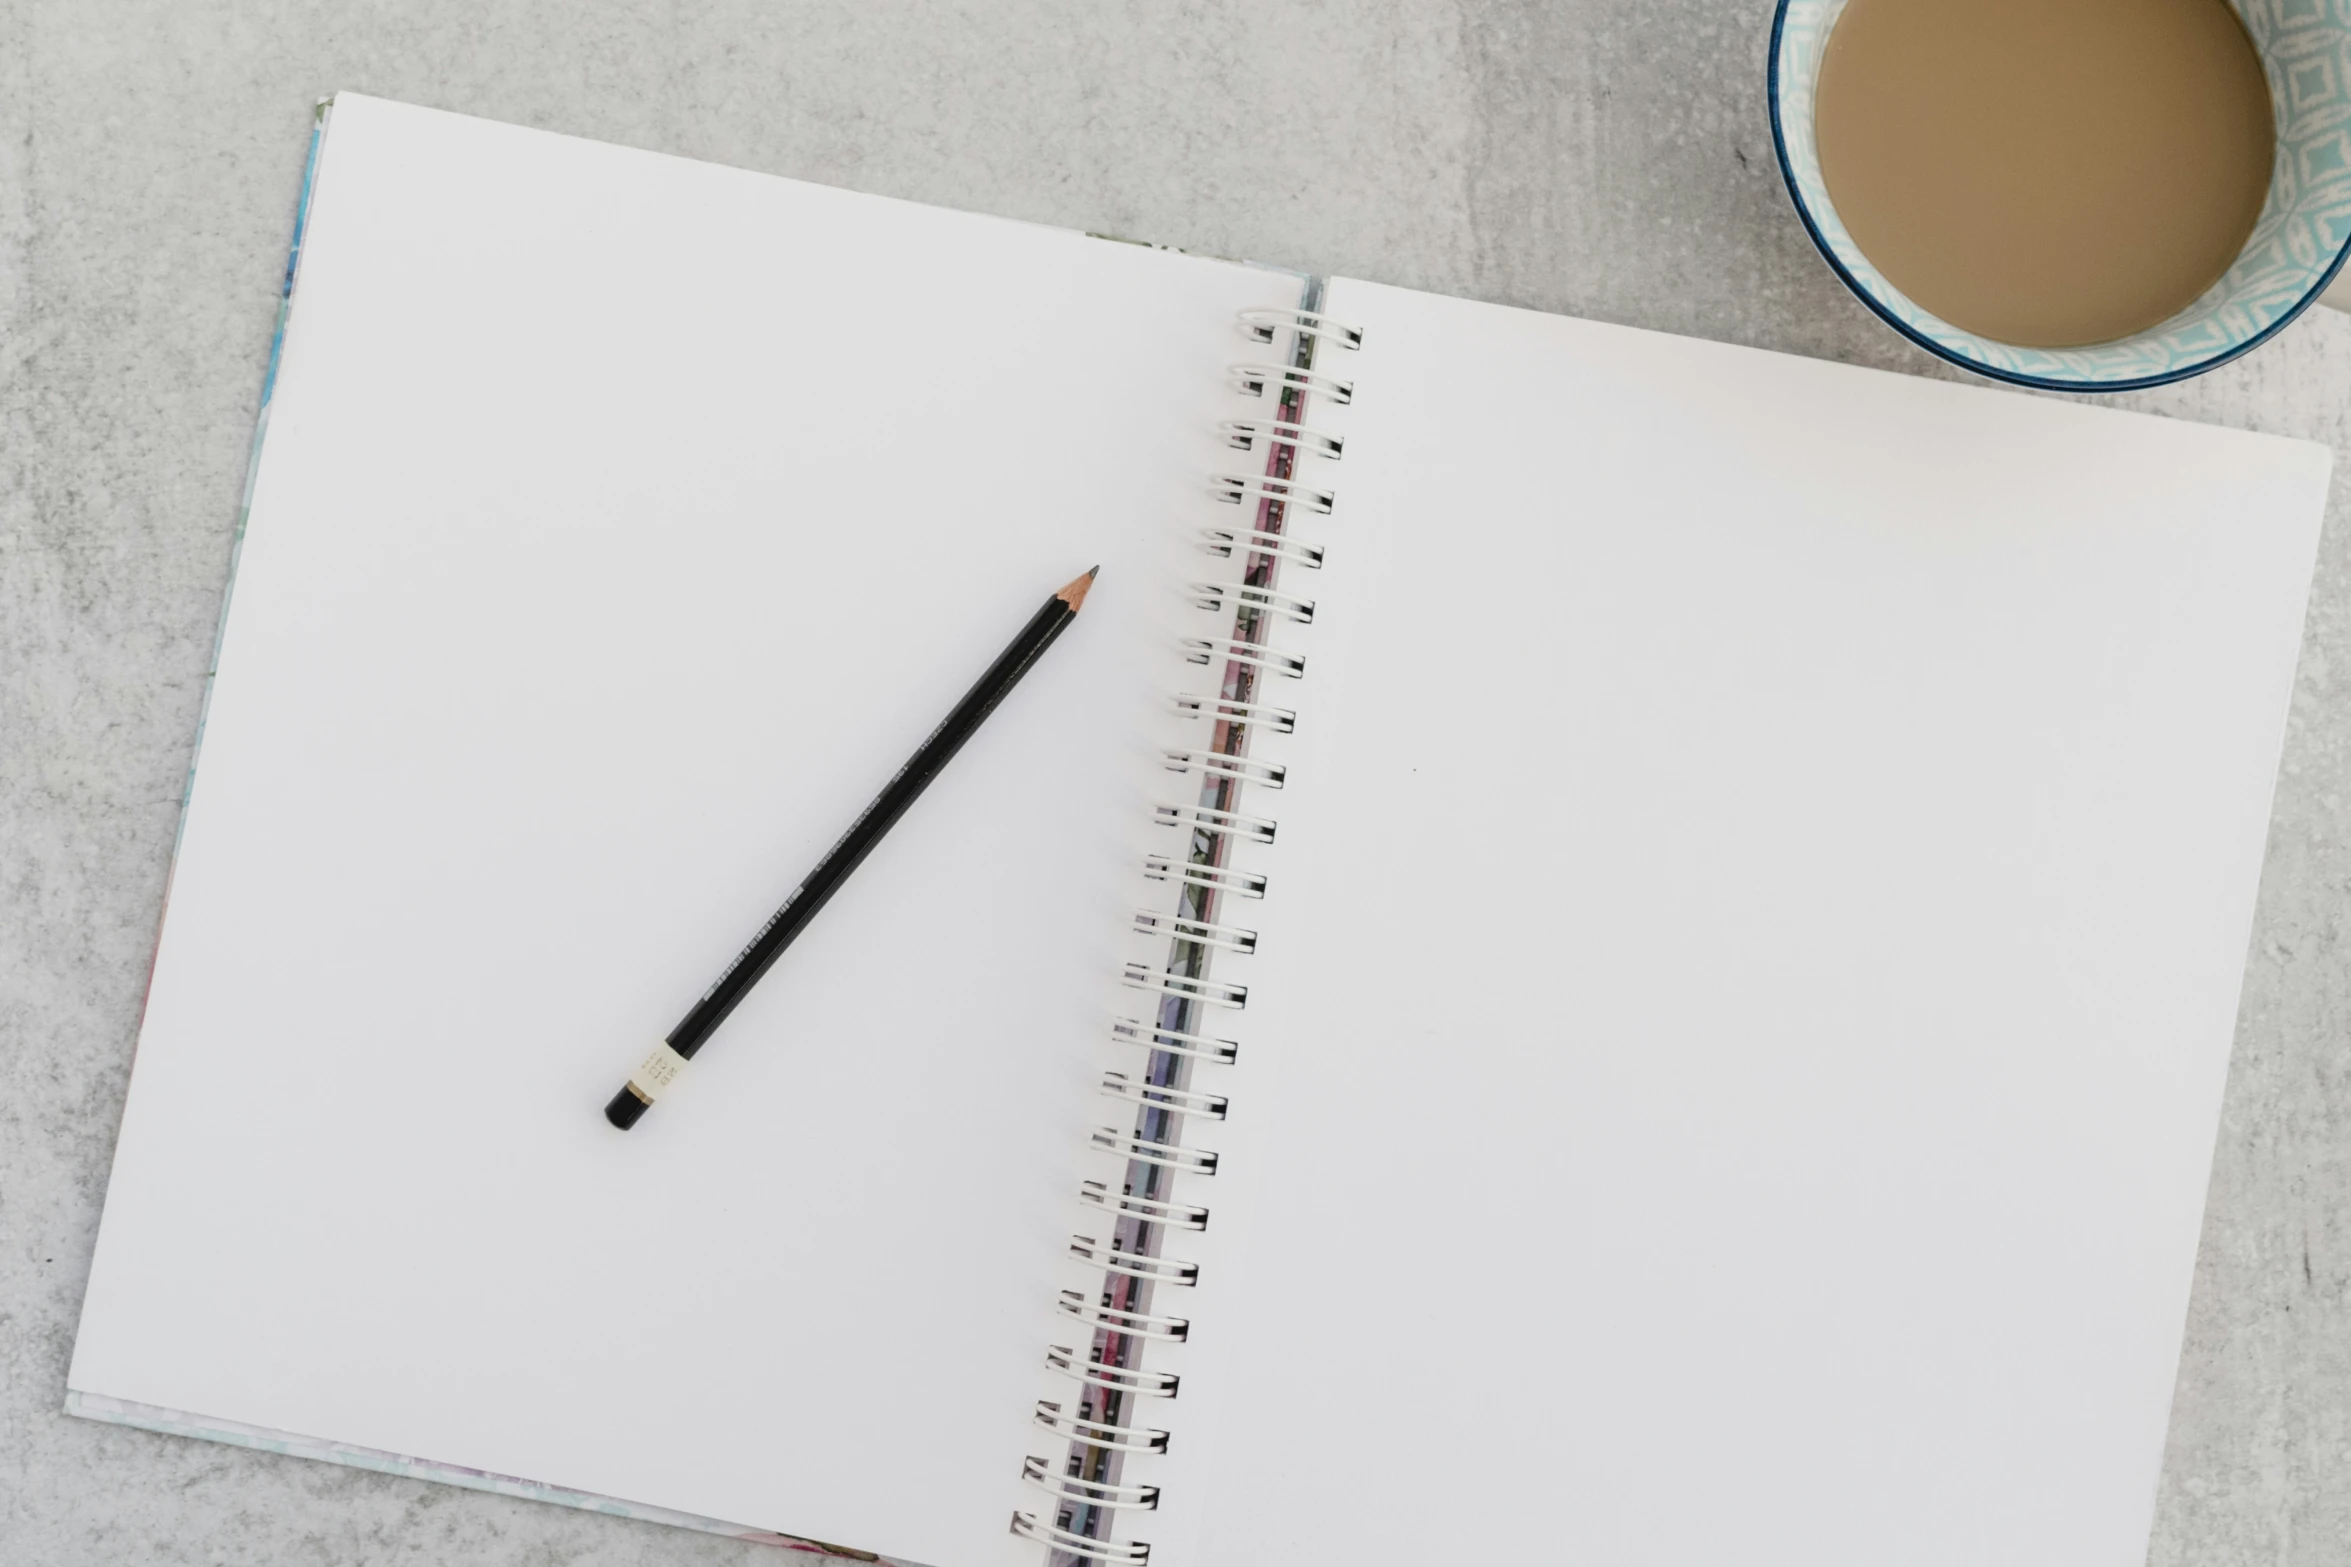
(1173, 1215)
(1129, 1031)
(1087, 1487)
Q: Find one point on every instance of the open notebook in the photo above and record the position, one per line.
(1598, 948)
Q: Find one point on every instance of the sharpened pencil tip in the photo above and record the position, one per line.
(1075, 594)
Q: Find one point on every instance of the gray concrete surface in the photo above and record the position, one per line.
(1594, 156)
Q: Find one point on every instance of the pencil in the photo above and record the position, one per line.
(669, 1058)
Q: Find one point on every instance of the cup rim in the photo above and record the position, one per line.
(1853, 285)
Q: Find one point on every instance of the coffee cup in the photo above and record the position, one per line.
(2295, 249)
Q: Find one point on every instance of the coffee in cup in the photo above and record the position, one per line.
(2047, 173)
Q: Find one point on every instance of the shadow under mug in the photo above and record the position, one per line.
(2294, 252)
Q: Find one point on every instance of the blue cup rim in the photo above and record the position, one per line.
(1779, 147)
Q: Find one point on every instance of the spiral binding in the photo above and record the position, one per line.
(1124, 1439)
(1224, 542)
(1135, 1148)
(1181, 1215)
(1081, 1547)
(1229, 598)
(1210, 878)
(1222, 764)
(1184, 987)
(1086, 1486)
(1233, 490)
(1207, 650)
(1252, 381)
(1118, 1085)
(1279, 720)
(1034, 1471)
(1251, 435)
(1169, 1041)
(1232, 938)
(1199, 818)
(1119, 1379)
(1172, 1329)
(1265, 326)
(1134, 1265)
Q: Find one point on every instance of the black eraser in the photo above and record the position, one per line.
(625, 1110)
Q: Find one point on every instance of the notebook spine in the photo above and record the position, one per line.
(1121, 1329)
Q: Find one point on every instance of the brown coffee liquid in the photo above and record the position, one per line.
(2049, 173)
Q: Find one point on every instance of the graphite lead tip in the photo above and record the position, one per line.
(1075, 594)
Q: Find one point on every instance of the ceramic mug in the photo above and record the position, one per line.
(2294, 252)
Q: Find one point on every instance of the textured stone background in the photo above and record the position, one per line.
(1596, 156)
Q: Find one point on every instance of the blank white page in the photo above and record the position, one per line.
(1740, 1019)
(622, 523)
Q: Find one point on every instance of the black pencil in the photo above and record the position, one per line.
(872, 824)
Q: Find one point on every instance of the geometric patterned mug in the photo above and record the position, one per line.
(2294, 252)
